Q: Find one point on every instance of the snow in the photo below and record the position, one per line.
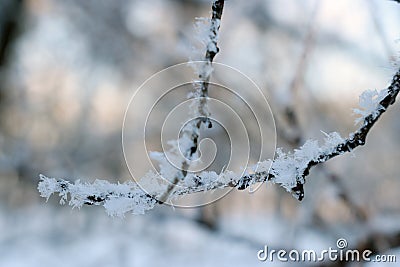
(284, 170)
(288, 168)
(118, 198)
(307, 152)
(227, 177)
(119, 205)
(166, 169)
(206, 33)
(331, 141)
(263, 166)
(369, 104)
(57, 237)
(47, 186)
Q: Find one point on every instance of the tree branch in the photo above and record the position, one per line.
(120, 198)
(193, 129)
(288, 169)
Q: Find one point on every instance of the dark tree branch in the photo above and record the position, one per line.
(9, 26)
(11, 20)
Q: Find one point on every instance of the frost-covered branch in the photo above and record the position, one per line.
(117, 199)
(190, 133)
(288, 169)
(373, 104)
(212, 49)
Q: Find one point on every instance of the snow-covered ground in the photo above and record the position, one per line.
(43, 235)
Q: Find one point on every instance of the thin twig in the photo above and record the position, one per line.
(204, 77)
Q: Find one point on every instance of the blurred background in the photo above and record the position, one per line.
(68, 69)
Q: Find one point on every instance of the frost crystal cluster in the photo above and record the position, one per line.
(369, 104)
(117, 199)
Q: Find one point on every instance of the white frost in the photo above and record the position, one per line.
(116, 198)
(370, 104)
(288, 168)
(47, 186)
(206, 36)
